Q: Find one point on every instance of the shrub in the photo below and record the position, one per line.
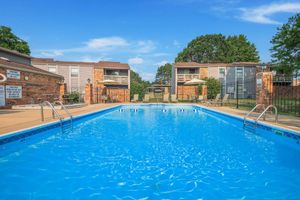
(213, 87)
(74, 97)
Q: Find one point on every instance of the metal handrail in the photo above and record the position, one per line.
(54, 111)
(263, 113)
(247, 115)
(65, 109)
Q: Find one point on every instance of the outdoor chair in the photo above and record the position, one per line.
(166, 98)
(135, 98)
(173, 98)
(104, 99)
(114, 99)
(146, 98)
(200, 98)
(221, 101)
(214, 101)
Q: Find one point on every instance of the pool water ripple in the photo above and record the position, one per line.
(152, 154)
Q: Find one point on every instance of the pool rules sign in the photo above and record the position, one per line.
(13, 92)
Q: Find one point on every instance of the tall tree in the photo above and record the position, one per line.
(240, 49)
(137, 85)
(164, 74)
(286, 46)
(214, 48)
(10, 41)
(204, 49)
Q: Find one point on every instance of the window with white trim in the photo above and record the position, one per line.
(74, 72)
(222, 72)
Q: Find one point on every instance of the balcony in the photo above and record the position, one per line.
(186, 77)
(122, 80)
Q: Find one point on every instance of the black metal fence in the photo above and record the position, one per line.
(286, 94)
(241, 93)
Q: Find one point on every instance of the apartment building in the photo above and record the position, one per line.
(111, 80)
(234, 77)
(25, 84)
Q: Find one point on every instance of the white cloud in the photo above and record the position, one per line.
(54, 53)
(162, 63)
(106, 42)
(160, 54)
(262, 14)
(135, 61)
(104, 45)
(145, 46)
(147, 76)
(88, 58)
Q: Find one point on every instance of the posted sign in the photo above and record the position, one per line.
(13, 92)
(2, 95)
(13, 74)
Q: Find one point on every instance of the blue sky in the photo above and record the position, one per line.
(142, 33)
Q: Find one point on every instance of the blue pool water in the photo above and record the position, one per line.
(154, 152)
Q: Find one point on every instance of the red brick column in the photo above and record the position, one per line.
(264, 88)
(88, 95)
(204, 91)
(62, 91)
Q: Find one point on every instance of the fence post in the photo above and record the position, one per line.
(237, 94)
(221, 93)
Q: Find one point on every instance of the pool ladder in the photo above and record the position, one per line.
(262, 114)
(56, 114)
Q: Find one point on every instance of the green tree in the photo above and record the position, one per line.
(240, 49)
(286, 46)
(205, 49)
(137, 85)
(214, 48)
(164, 74)
(213, 87)
(10, 41)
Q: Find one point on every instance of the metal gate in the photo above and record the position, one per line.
(286, 94)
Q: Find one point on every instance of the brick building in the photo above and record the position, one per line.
(111, 80)
(25, 83)
(183, 72)
(227, 73)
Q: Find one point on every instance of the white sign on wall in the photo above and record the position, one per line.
(13, 92)
(2, 95)
(13, 74)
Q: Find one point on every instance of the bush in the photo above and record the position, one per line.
(74, 97)
(213, 87)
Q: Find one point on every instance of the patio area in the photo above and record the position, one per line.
(13, 119)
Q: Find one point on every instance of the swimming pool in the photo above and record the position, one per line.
(151, 152)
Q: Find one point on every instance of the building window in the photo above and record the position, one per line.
(239, 72)
(222, 73)
(116, 72)
(52, 69)
(187, 71)
(74, 72)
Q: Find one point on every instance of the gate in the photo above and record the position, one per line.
(286, 94)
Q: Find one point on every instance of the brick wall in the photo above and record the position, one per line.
(186, 91)
(203, 72)
(38, 87)
(120, 94)
(98, 76)
(264, 88)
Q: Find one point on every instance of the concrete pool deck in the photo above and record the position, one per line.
(14, 120)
